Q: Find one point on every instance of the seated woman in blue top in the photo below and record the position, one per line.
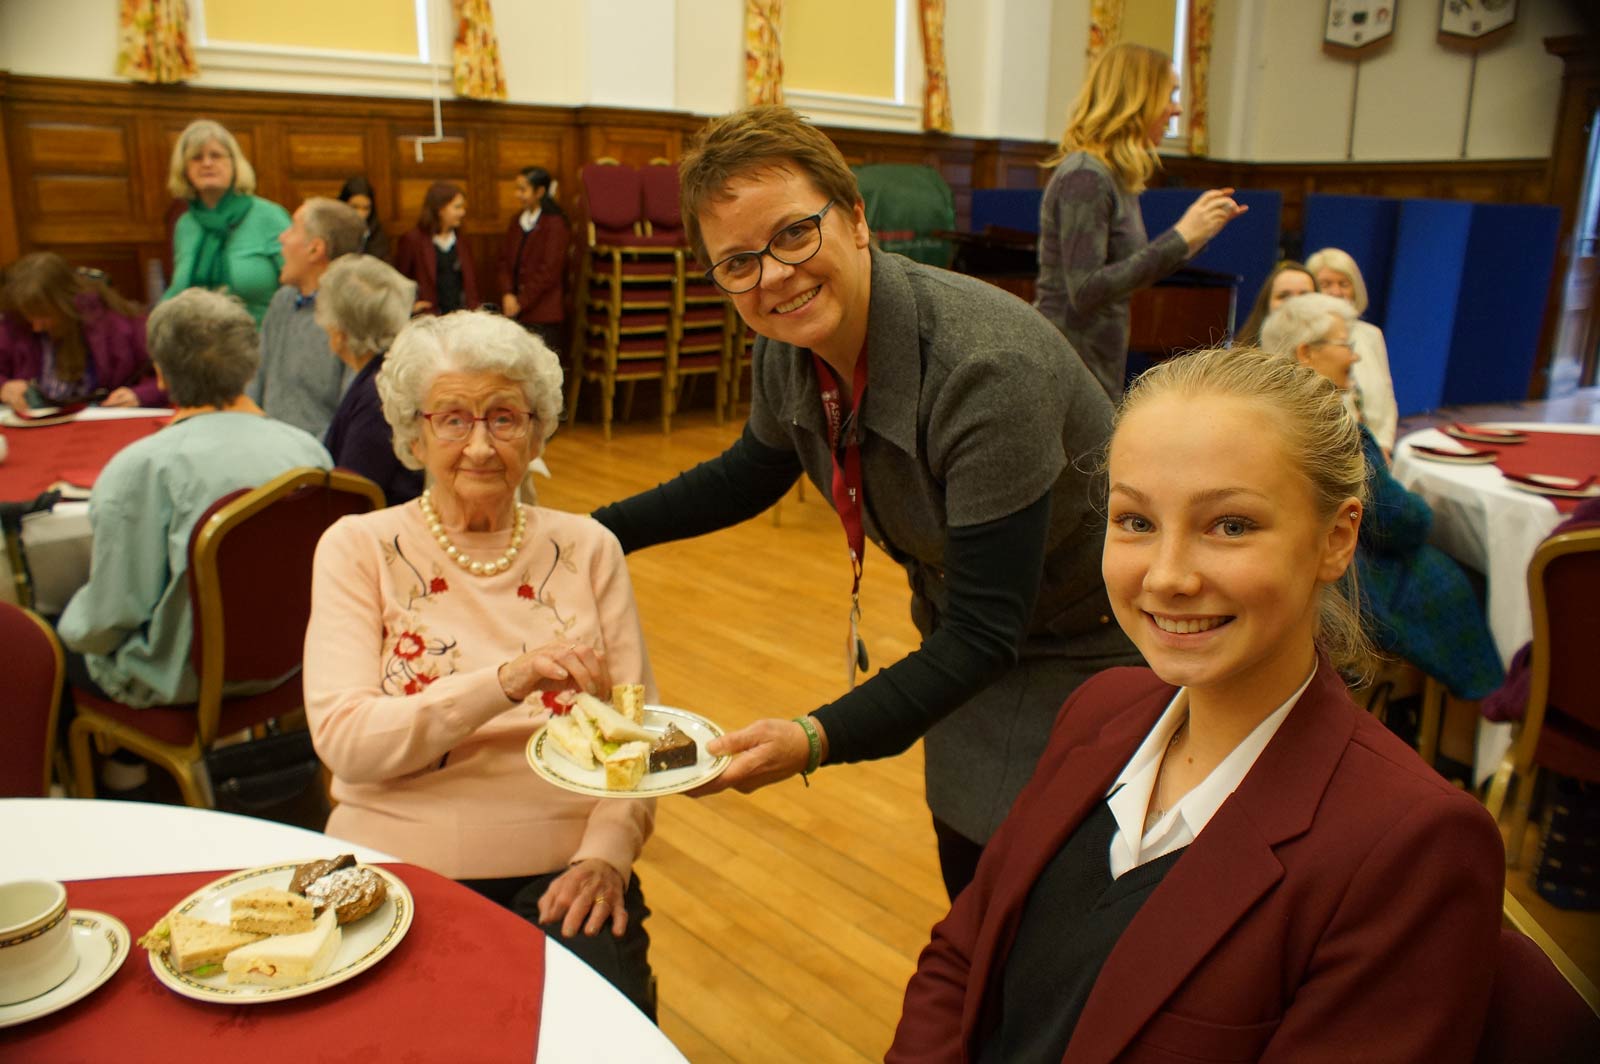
(228, 239)
(131, 621)
(362, 303)
(1221, 857)
(1418, 602)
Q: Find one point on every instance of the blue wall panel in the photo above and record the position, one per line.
(1430, 253)
(1247, 247)
(1365, 227)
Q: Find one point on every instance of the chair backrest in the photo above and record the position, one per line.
(1541, 1007)
(659, 182)
(905, 203)
(1564, 591)
(611, 193)
(250, 577)
(30, 658)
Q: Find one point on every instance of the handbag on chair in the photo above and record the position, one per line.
(276, 777)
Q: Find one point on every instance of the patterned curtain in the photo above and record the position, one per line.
(1199, 75)
(153, 41)
(763, 51)
(478, 74)
(936, 82)
(1105, 25)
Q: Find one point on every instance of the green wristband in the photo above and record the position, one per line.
(814, 758)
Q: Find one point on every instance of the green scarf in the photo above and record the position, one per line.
(216, 224)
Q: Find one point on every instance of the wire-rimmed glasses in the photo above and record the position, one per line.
(506, 424)
(793, 244)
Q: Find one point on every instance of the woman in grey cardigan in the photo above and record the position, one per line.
(1093, 252)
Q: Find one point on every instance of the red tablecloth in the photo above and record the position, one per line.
(1561, 454)
(74, 452)
(466, 983)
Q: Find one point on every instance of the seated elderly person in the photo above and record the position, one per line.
(131, 621)
(437, 627)
(1417, 602)
(1338, 275)
(362, 303)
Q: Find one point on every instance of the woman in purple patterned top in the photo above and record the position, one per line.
(1093, 251)
(66, 336)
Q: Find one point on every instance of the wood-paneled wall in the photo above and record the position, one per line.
(83, 164)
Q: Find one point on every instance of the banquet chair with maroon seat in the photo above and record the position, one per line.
(701, 335)
(1562, 720)
(1542, 1007)
(33, 667)
(250, 589)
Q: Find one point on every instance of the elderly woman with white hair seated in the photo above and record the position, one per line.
(1338, 275)
(438, 627)
(362, 303)
(1416, 601)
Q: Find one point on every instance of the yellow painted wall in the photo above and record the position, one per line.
(383, 26)
(1150, 23)
(842, 46)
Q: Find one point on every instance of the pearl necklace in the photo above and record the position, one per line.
(499, 565)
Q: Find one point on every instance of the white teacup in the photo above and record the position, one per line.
(36, 951)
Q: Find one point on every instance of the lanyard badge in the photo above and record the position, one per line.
(845, 447)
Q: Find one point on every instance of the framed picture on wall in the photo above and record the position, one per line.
(1355, 29)
(1472, 25)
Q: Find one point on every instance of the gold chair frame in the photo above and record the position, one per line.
(1517, 764)
(186, 763)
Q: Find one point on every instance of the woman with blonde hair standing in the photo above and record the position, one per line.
(1093, 251)
(228, 238)
(1338, 275)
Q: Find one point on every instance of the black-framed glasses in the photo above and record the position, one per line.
(793, 244)
(504, 423)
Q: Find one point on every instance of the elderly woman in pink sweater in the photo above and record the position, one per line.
(438, 626)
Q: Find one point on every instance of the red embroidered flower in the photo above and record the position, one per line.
(525, 591)
(437, 585)
(409, 647)
(412, 687)
(426, 678)
(559, 703)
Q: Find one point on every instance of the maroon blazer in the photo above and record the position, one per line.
(414, 256)
(1343, 904)
(542, 259)
(115, 343)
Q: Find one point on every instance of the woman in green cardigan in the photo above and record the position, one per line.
(228, 239)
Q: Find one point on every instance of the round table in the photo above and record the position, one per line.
(71, 839)
(1484, 523)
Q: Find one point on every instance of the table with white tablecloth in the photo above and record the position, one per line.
(1486, 524)
(75, 840)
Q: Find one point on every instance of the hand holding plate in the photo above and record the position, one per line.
(767, 751)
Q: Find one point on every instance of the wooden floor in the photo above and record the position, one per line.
(787, 922)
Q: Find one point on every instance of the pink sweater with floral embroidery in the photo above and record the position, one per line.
(404, 700)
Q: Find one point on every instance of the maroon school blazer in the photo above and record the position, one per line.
(543, 261)
(414, 256)
(1343, 904)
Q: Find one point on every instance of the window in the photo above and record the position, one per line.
(280, 44)
(1164, 24)
(847, 61)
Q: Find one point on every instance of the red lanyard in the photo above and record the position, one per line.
(844, 446)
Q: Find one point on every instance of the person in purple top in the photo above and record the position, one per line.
(362, 303)
(65, 336)
(1093, 251)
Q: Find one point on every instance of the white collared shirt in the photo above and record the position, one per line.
(446, 242)
(1131, 794)
(529, 219)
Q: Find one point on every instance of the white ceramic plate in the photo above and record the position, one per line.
(1440, 454)
(39, 417)
(1556, 487)
(1480, 434)
(102, 944)
(362, 943)
(548, 762)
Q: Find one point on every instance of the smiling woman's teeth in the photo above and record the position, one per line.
(1187, 627)
(797, 302)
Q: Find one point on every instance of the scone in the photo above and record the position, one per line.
(351, 892)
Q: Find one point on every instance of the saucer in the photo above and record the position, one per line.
(102, 944)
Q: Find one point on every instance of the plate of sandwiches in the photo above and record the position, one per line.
(39, 417)
(1455, 456)
(1554, 486)
(1484, 433)
(624, 748)
(280, 931)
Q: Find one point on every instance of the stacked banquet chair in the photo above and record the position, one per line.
(642, 318)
